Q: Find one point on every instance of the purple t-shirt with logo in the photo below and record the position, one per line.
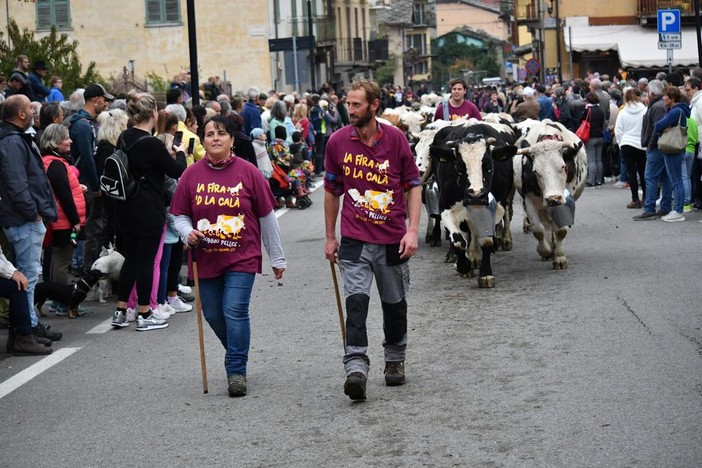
(466, 109)
(373, 181)
(225, 205)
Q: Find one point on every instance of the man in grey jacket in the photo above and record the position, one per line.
(26, 200)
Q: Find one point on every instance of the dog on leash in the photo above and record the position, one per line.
(109, 264)
(71, 295)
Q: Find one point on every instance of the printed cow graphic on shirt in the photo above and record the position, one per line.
(222, 233)
(226, 227)
(374, 204)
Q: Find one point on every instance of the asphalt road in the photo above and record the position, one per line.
(597, 365)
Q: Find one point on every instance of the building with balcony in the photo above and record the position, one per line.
(408, 27)
(345, 45)
(577, 36)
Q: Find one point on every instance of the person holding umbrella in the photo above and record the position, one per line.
(224, 209)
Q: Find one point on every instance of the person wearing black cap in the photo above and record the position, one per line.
(36, 81)
(83, 131)
(14, 84)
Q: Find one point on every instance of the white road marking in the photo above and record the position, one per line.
(101, 328)
(281, 211)
(16, 381)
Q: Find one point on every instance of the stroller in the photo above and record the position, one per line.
(285, 188)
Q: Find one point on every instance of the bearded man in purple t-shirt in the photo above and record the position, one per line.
(371, 165)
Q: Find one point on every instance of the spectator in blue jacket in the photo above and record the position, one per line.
(83, 131)
(251, 112)
(36, 81)
(55, 95)
(677, 114)
(545, 104)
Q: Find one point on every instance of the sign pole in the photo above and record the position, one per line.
(670, 61)
(192, 40)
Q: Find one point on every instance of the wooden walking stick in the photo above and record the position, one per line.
(198, 311)
(338, 304)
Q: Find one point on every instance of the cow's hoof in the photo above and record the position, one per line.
(560, 264)
(468, 275)
(435, 242)
(506, 245)
(486, 282)
(427, 239)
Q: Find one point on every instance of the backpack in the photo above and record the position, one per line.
(116, 181)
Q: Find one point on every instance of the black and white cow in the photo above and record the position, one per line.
(473, 167)
(550, 171)
(430, 191)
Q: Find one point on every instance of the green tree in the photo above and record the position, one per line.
(57, 50)
(386, 73)
(453, 57)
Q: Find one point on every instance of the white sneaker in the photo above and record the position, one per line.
(166, 309)
(131, 314)
(152, 322)
(178, 305)
(160, 314)
(185, 289)
(673, 217)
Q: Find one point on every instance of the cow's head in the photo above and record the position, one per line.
(547, 163)
(474, 153)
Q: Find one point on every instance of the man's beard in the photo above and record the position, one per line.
(28, 122)
(362, 120)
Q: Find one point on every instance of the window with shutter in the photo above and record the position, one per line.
(53, 13)
(162, 12)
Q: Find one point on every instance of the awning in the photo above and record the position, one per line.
(637, 47)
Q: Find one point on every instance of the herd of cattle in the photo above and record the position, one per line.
(471, 170)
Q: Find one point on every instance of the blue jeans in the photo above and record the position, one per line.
(688, 159)
(225, 305)
(673, 166)
(655, 172)
(163, 273)
(623, 170)
(26, 243)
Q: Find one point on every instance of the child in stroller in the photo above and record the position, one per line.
(285, 183)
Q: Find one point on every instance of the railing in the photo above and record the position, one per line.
(351, 50)
(651, 7)
(525, 10)
(323, 26)
(356, 50)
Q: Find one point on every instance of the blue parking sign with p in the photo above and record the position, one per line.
(668, 21)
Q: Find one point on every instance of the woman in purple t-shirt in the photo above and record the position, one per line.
(223, 207)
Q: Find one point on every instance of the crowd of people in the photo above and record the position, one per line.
(58, 219)
(209, 177)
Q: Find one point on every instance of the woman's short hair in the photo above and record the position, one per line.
(53, 135)
(673, 93)
(140, 106)
(279, 110)
(237, 103)
(222, 123)
(112, 124)
(592, 98)
(48, 112)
